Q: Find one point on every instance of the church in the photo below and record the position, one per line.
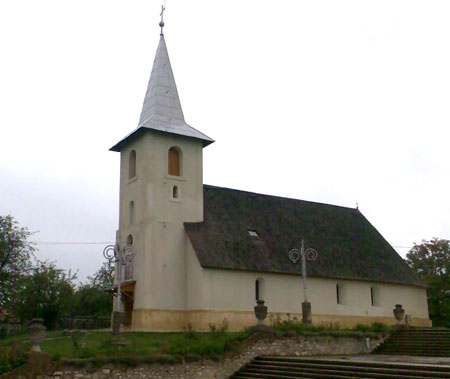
(205, 254)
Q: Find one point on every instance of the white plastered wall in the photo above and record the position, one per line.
(158, 231)
(218, 289)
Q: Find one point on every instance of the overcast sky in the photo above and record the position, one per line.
(339, 102)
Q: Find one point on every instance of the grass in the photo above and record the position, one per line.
(292, 327)
(95, 348)
(138, 344)
(24, 337)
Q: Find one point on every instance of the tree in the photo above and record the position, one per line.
(15, 254)
(431, 261)
(47, 292)
(104, 277)
(90, 298)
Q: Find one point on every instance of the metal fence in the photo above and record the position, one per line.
(10, 329)
(84, 322)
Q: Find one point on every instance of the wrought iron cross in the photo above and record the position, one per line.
(161, 23)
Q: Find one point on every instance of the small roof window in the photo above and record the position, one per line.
(252, 233)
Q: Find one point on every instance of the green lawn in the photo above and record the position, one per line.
(146, 347)
(98, 344)
(24, 337)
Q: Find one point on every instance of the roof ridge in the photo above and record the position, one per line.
(282, 197)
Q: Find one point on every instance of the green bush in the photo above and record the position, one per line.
(378, 327)
(375, 327)
(12, 355)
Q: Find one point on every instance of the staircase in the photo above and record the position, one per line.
(425, 342)
(291, 367)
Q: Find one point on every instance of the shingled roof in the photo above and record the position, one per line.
(349, 246)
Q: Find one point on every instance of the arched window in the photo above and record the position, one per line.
(175, 192)
(132, 164)
(131, 213)
(129, 261)
(259, 289)
(174, 162)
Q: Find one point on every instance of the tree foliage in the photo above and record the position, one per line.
(90, 298)
(47, 292)
(41, 289)
(431, 261)
(104, 277)
(15, 254)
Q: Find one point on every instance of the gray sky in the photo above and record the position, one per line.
(340, 102)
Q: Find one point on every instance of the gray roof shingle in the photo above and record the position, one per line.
(349, 246)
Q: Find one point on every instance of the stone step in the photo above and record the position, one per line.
(438, 334)
(420, 342)
(414, 346)
(415, 353)
(246, 375)
(292, 367)
(409, 338)
(351, 371)
(417, 344)
(269, 358)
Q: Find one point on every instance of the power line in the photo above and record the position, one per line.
(109, 242)
(70, 243)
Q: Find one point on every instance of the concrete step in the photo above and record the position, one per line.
(292, 367)
(421, 342)
(268, 358)
(349, 371)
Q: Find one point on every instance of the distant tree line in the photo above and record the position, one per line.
(31, 288)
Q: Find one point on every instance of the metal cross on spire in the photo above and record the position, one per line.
(161, 23)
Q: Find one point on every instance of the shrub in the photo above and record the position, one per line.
(12, 355)
(378, 327)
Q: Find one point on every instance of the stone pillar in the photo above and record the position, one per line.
(306, 313)
(117, 319)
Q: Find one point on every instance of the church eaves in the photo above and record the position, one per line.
(161, 110)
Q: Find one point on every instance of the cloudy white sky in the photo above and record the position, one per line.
(340, 102)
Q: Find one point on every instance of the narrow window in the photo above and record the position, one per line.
(338, 295)
(259, 289)
(129, 261)
(174, 162)
(341, 293)
(175, 192)
(132, 164)
(375, 296)
(131, 213)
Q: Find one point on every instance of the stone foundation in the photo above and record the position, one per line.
(200, 320)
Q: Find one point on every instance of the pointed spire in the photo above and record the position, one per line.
(161, 100)
(162, 108)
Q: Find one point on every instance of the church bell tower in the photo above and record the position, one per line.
(161, 187)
